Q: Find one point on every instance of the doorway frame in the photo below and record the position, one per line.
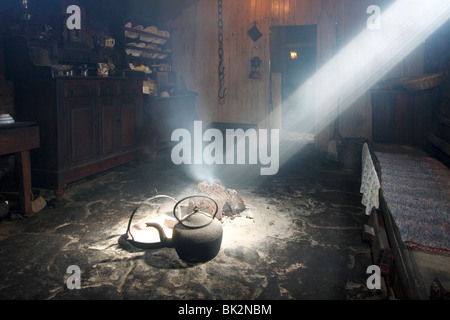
(275, 82)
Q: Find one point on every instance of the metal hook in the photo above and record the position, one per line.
(222, 95)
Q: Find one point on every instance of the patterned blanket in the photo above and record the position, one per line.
(417, 193)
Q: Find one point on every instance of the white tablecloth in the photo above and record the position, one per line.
(370, 185)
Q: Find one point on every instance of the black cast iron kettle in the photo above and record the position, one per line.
(196, 237)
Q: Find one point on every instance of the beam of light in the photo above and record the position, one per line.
(331, 90)
(356, 68)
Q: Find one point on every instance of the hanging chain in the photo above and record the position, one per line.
(221, 68)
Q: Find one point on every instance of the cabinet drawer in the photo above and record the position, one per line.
(130, 89)
(108, 89)
(79, 90)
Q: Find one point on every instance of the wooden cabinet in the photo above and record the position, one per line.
(108, 118)
(146, 48)
(164, 115)
(81, 129)
(402, 117)
(128, 116)
(88, 125)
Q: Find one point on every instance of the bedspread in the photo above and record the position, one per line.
(417, 194)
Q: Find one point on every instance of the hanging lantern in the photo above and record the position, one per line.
(255, 63)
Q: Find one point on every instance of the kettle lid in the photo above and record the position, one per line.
(196, 219)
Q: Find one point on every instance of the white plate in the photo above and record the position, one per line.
(151, 30)
(130, 34)
(133, 52)
(6, 119)
(164, 33)
(139, 27)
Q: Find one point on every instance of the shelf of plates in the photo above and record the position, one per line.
(146, 48)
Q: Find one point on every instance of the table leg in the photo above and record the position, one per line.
(58, 193)
(24, 172)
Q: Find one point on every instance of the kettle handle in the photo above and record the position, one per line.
(197, 196)
(165, 242)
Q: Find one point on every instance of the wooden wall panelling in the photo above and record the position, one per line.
(248, 101)
(355, 120)
(326, 26)
(276, 100)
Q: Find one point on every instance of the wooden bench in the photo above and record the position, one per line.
(415, 186)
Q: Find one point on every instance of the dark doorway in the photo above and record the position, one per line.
(293, 52)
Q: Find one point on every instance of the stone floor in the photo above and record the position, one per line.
(299, 237)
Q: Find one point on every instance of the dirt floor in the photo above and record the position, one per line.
(298, 238)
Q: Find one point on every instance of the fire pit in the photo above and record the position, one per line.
(229, 201)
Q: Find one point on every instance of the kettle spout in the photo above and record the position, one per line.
(162, 235)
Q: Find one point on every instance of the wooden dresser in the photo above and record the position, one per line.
(87, 125)
(164, 115)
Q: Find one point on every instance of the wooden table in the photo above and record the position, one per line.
(164, 115)
(18, 139)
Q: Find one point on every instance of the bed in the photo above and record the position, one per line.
(407, 196)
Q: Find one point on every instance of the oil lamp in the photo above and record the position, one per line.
(255, 63)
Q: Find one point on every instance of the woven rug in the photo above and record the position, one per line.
(417, 193)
